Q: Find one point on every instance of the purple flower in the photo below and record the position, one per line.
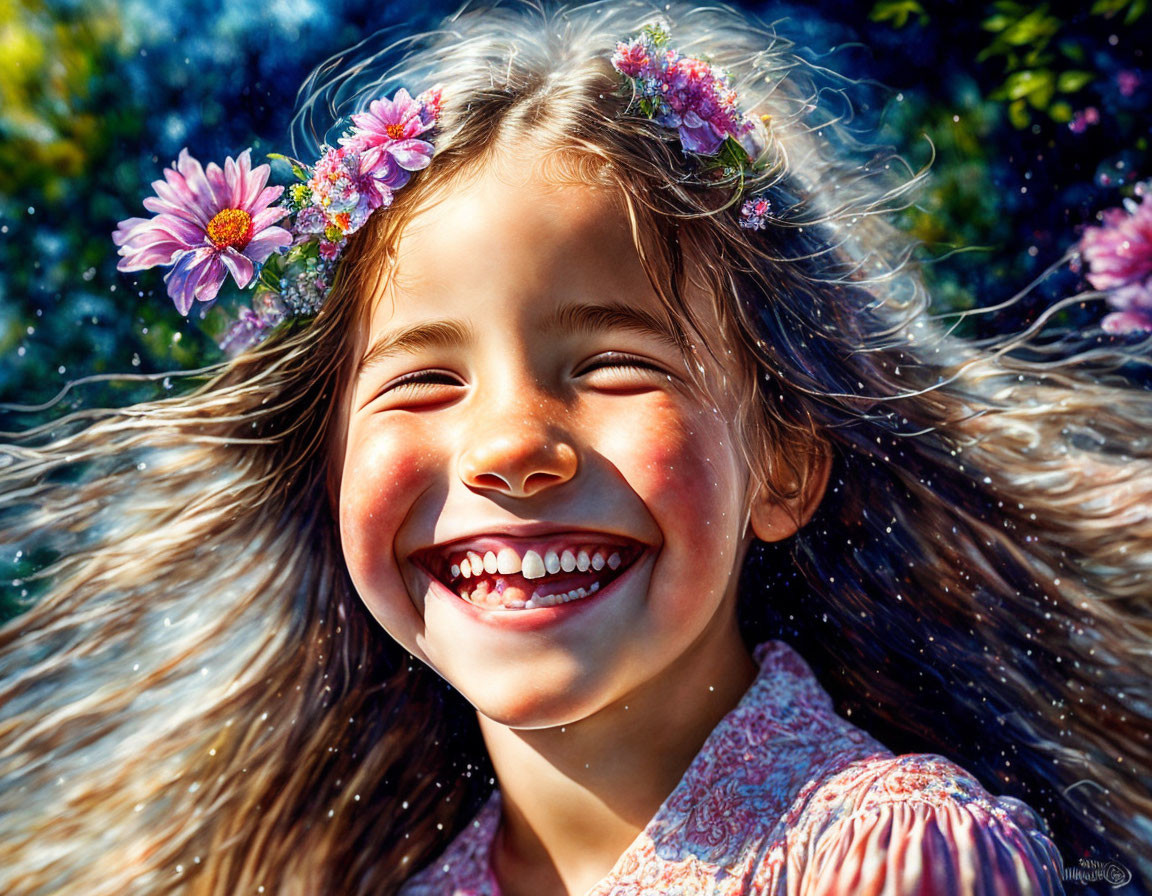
(688, 94)
(1119, 258)
(698, 135)
(754, 213)
(208, 223)
(252, 324)
(385, 136)
(245, 332)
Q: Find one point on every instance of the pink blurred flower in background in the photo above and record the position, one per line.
(1128, 81)
(208, 223)
(1083, 119)
(1118, 255)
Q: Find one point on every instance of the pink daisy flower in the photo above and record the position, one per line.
(386, 137)
(1119, 259)
(208, 223)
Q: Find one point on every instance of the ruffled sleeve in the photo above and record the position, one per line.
(918, 824)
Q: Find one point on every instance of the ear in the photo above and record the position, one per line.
(774, 518)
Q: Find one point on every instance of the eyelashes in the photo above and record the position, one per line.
(619, 360)
(418, 378)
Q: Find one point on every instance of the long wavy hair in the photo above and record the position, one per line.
(198, 703)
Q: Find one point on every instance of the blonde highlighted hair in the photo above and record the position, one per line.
(198, 703)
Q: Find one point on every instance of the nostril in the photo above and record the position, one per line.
(537, 481)
(533, 483)
(518, 469)
(490, 480)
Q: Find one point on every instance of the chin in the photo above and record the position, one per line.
(519, 705)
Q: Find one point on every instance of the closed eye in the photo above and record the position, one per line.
(621, 370)
(418, 389)
(423, 378)
(619, 359)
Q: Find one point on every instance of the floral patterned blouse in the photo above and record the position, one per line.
(787, 798)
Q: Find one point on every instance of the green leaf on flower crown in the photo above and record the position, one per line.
(649, 106)
(267, 281)
(732, 155)
(298, 168)
(301, 253)
(308, 252)
(300, 195)
(333, 234)
(657, 34)
(271, 272)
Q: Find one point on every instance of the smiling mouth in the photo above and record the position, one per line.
(497, 573)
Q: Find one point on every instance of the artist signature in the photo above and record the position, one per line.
(1091, 870)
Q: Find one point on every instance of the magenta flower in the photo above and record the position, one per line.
(208, 223)
(632, 58)
(754, 213)
(1119, 259)
(386, 136)
(686, 93)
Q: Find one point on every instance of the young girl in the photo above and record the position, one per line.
(475, 580)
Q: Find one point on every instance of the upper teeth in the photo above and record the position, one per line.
(506, 561)
(533, 565)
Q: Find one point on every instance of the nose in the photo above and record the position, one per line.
(518, 457)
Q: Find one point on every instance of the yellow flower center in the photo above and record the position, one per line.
(230, 227)
(395, 131)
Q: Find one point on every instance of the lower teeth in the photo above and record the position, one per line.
(551, 600)
(537, 601)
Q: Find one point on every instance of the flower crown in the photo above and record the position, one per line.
(212, 222)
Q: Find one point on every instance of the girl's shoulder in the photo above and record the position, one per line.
(917, 823)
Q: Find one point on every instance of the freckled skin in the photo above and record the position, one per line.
(516, 428)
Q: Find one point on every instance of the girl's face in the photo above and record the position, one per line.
(533, 501)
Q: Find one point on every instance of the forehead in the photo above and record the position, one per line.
(504, 235)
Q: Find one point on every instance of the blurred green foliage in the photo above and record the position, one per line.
(50, 93)
(898, 12)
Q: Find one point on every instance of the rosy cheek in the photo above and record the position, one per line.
(383, 476)
(681, 461)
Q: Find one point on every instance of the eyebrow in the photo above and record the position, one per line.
(571, 317)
